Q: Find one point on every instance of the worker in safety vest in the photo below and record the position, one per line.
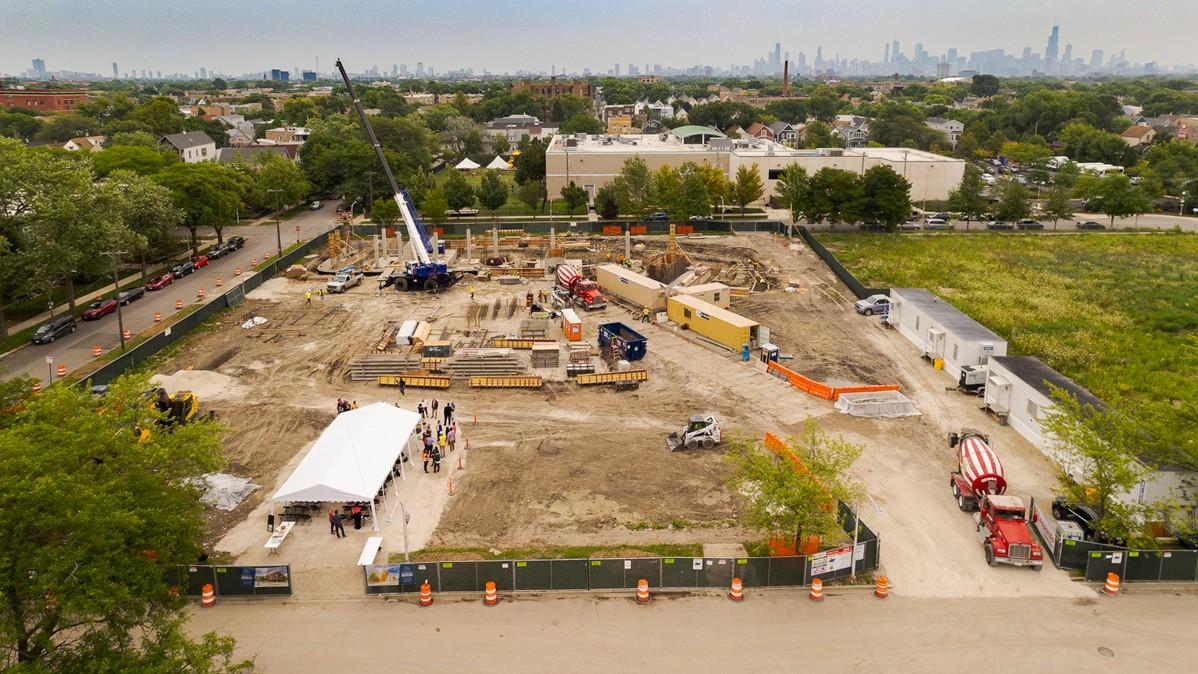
(471, 293)
(645, 315)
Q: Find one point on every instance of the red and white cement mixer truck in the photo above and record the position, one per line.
(980, 484)
(572, 288)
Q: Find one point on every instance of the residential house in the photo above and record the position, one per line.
(85, 143)
(1136, 135)
(623, 110)
(759, 130)
(951, 128)
(191, 146)
(514, 127)
(785, 133)
(659, 110)
(232, 155)
(735, 131)
(288, 134)
(853, 129)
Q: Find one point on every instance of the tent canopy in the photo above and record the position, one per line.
(498, 163)
(352, 457)
(466, 165)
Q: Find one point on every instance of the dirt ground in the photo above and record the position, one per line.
(567, 465)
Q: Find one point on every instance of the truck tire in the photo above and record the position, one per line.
(1056, 512)
(401, 284)
(962, 503)
(708, 442)
(956, 489)
(430, 285)
(990, 555)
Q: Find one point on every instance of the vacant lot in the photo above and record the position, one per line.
(1116, 312)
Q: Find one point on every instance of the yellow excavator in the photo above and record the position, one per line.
(179, 408)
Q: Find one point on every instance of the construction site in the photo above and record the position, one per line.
(569, 365)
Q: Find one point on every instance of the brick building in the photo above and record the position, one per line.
(580, 88)
(42, 100)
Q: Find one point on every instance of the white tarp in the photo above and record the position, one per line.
(876, 404)
(466, 165)
(223, 491)
(498, 163)
(352, 457)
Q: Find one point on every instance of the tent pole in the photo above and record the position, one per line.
(374, 520)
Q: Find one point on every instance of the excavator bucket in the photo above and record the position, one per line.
(674, 442)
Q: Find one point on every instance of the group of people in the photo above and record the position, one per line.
(428, 410)
(345, 405)
(436, 444)
(337, 520)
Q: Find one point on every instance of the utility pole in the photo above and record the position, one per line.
(115, 255)
(278, 232)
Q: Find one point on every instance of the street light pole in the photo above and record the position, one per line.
(278, 232)
(116, 286)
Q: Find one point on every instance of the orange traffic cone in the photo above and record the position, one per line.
(642, 592)
(37, 387)
(219, 282)
(882, 587)
(426, 594)
(237, 271)
(62, 371)
(178, 303)
(737, 593)
(96, 351)
(207, 596)
(1112, 585)
(157, 316)
(253, 262)
(817, 589)
(491, 597)
(200, 294)
(128, 335)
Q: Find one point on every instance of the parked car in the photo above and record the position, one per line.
(660, 216)
(937, 223)
(131, 295)
(1029, 224)
(315, 206)
(344, 280)
(216, 251)
(1091, 225)
(1083, 515)
(98, 309)
(871, 227)
(874, 304)
(235, 242)
(181, 270)
(53, 329)
(161, 282)
(200, 261)
(909, 227)
(999, 224)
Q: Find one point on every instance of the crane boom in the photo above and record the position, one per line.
(415, 228)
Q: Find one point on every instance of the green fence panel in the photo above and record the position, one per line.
(500, 572)
(570, 574)
(753, 571)
(606, 574)
(1179, 565)
(648, 568)
(788, 570)
(679, 572)
(1142, 565)
(428, 571)
(534, 575)
(717, 572)
(458, 577)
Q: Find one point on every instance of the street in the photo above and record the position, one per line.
(76, 349)
(850, 630)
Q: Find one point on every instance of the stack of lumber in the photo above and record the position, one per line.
(534, 328)
(483, 363)
(545, 354)
(580, 353)
(375, 365)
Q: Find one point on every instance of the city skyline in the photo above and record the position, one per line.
(680, 46)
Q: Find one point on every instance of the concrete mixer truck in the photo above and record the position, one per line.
(980, 484)
(572, 288)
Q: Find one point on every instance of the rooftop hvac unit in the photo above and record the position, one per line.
(835, 153)
(571, 142)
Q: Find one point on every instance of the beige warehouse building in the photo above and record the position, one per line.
(593, 161)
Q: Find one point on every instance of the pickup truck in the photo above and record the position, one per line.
(344, 280)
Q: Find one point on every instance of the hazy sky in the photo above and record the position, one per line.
(238, 36)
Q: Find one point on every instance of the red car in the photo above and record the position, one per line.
(200, 261)
(161, 282)
(99, 309)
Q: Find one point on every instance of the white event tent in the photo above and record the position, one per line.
(466, 165)
(352, 459)
(498, 163)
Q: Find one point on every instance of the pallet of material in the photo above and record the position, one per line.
(738, 291)
(575, 369)
(613, 377)
(505, 382)
(483, 362)
(415, 381)
(580, 353)
(375, 365)
(545, 355)
(432, 364)
(522, 344)
(534, 329)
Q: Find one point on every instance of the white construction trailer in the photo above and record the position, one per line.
(942, 331)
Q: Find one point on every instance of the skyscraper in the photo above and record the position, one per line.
(886, 57)
(39, 68)
(895, 54)
(1096, 60)
(203, 73)
(1050, 51)
(115, 75)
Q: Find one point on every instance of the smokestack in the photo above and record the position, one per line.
(786, 77)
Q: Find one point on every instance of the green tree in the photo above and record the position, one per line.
(208, 193)
(385, 211)
(492, 192)
(747, 187)
(18, 125)
(417, 184)
(818, 134)
(666, 187)
(1099, 449)
(606, 204)
(968, 198)
(61, 128)
(93, 519)
(532, 193)
(1118, 198)
(792, 189)
(1057, 207)
(140, 160)
(1014, 201)
(530, 165)
(458, 193)
(132, 139)
(582, 123)
(834, 195)
(159, 115)
(984, 85)
(634, 188)
(299, 110)
(500, 145)
(1024, 153)
(274, 172)
(574, 196)
(693, 198)
(434, 205)
(1067, 175)
(901, 125)
(795, 494)
(148, 210)
(886, 197)
(457, 133)
(722, 114)
(1084, 143)
(219, 84)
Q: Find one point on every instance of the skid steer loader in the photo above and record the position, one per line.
(701, 431)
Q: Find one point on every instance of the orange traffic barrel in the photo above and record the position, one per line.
(426, 594)
(253, 262)
(178, 303)
(491, 597)
(62, 370)
(882, 587)
(128, 335)
(817, 589)
(200, 293)
(37, 387)
(642, 591)
(96, 351)
(237, 271)
(207, 596)
(738, 591)
(1112, 585)
(157, 316)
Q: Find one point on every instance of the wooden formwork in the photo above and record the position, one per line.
(415, 381)
(613, 377)
(525, 344)
(506, 382)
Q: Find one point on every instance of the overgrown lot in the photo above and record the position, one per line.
(1116, 312)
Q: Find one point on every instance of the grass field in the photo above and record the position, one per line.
(1116, 312)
